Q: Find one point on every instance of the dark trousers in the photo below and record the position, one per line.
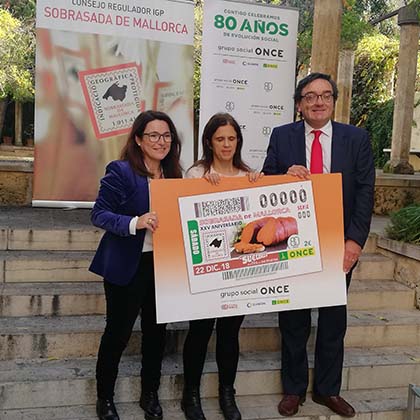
(295, 327)
(227, 349)
(123, 305)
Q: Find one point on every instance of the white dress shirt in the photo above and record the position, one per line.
(148, 239)
(326, 142)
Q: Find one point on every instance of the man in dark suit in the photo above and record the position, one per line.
(319, 145)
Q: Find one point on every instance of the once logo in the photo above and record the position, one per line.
(275, 290)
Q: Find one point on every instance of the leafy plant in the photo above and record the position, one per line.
(379, 125)
(353, 25)
(17, 46)
(21, 9)
(405, 224)
(374, 75)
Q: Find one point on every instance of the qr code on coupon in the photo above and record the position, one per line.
(221, 207)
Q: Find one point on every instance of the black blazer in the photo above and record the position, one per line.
(351, 155)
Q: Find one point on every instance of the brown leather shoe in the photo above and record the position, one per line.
(289, 405)
(335, 403)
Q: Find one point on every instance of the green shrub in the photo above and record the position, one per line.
(374, 75)
(405, 224)
(379, 125)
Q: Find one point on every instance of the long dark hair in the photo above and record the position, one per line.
(134, 154)
(216, 121)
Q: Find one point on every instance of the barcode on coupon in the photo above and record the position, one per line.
(221, 207)
(258, 270)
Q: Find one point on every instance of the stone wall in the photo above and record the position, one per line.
(393, 192)
(407, 262)
(16, 181)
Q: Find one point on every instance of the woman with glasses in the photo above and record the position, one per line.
(221, 142)
(124, 257)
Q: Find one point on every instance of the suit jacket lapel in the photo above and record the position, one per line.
(298, 144)
(338, 148)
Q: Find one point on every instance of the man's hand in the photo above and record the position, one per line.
(299, 171)
(352, 251)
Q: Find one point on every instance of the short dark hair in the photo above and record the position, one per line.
(134, 154)
(309, 79)
(219, 120)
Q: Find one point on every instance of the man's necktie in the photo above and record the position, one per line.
(316, 154)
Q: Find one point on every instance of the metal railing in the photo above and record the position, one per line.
(413, 392)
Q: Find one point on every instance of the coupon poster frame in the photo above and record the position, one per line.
(174, 300)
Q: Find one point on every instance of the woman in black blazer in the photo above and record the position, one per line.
(125, 257)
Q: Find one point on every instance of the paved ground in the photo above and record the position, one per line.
(378, 224)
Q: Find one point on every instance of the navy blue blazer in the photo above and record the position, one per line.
(123, 194)
(351, 155)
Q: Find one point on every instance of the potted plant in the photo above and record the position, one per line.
(7, 136)
(29, 135)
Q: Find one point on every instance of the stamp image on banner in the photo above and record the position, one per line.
(114, 98)
(251, 235)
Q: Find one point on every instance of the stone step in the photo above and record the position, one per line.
(49, 266)
(62, 299)
(378, 404)
(45, 266)
(370, 245)
(74, 237)
(52, 299)
(70, 239)
(78, 336)
(47, 383)
(380, 294)
(374, 267)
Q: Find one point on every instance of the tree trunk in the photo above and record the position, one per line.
(18, 124)
(3, 107)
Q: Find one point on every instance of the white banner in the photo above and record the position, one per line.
(248, 69)
(98, 65)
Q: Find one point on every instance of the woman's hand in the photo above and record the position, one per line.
(255, 176)
(213, 178)
(148, 221)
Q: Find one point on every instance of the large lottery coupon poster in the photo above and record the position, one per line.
(238, 237)
(243, 248)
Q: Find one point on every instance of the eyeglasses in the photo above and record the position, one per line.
(311, 98)
(154, 137)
